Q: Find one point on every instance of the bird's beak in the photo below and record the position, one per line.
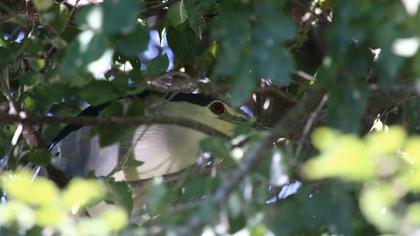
(239, 118)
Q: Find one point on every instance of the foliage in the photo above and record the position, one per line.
(384, 162)
(36, 204)
(341, 72)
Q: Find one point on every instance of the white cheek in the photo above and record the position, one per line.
(56, 158)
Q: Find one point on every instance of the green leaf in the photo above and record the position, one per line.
(185, 48)
(38, 157)
(50, 216)
(132, 163)
(273, 62)
(315, 206)
(216, 146)
(136, 107)
(89, 52)
(29, 79)
(232, 33)
(44, 95)
(61, 16)
(115, 218)
(346, 104)
(119, 193)
(7, 54)
(386, 142)
(35, 47)
(115, 108)
(36, 64)
(159, 197)
(244, 82)
(3, 43)
(196, 11)
(83, 193)
(22, 187)
(98, 92)
(274, 27)
(91, 17)
(134, 43)
(18, 214)
(157, 66)
(105, 18)
(112, 134)
(271, 59)
(122, 20)
(29, 104)
(177, 14)
(377, 202)
(43, 5)
(346, 156)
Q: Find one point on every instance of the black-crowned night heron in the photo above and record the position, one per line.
(163, 149)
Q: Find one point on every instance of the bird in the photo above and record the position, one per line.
(162, 149)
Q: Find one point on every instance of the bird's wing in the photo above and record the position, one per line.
(163, 149)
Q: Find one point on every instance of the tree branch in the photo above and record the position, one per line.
(148, 12)
(381, 99)
(111, 121)
(308, 126)
(154, 10)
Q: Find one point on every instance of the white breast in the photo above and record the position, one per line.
(164, 149)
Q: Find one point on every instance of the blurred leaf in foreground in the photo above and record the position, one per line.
(36, 202)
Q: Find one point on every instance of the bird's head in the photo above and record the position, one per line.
(212, 112)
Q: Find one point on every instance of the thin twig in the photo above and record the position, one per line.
(149, 11)
(153, 10)
(13, 144)
(304, 75)
(309, 123)
(13, 110)
(72, 11)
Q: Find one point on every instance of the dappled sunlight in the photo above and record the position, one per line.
(411, 6)
(102, 64)
(405, 47)
(95, 18)
(385, 162)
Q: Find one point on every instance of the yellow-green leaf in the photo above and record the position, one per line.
(50, 216)
(412, 150)
(386, 141)
(15, 212)
(413, 214)
(43, 5)
(115, 218)
(376, 202)
(347, 158)
(323, 138)
(82, 193)
(20, 186)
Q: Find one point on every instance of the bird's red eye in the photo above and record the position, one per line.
(217, 108)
